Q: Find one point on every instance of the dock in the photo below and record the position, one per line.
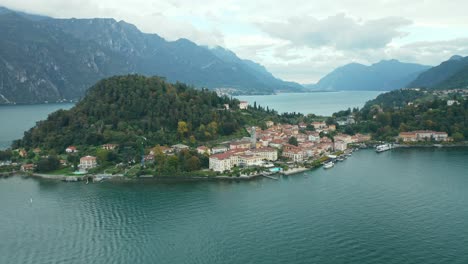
(295, 171)
(269, 177)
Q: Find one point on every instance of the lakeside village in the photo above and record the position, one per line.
(278, 148)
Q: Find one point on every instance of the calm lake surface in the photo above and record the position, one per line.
(400, 206)
(16, 119)
(319, 103)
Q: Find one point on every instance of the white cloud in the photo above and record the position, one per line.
(296, 39)
(338, 31)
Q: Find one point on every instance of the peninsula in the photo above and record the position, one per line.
(135, 126)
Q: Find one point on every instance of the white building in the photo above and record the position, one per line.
(243, 105)
(340, 145)
(87, 162)
(203, 150)
(269, 154)
(294, 155)
(226, 161)
(71, 149)
(219, 149)
(220, 162)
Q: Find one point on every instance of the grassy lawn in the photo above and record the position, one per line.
(63, 171)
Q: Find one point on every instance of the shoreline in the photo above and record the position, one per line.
(460, 145)
(221, 178)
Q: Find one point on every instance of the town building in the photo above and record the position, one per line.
(423, 135)
(203, 150)
(87, 162)
(243, 105)
(269, 154)
(219, 149)
(71, 149)
(180, 147)
(319, 125)
(340, 145)
(293, 153)
(220, 162)
(109, 146)
(241, 157)
(240, 145)
(27, 167)
(269, 123)
(22, 153)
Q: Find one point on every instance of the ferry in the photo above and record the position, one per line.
(382, 148)
(328, 165)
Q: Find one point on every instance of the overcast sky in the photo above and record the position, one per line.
(296, 40)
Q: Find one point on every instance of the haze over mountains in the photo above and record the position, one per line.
(450, 74)
(382, 76)
(46, 59)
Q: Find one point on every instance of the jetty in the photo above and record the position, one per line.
(295, 171)
(269, 177)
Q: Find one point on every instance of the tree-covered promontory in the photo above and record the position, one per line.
(124, 109)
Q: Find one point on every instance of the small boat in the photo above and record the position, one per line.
(340, 159)
(328, 165)
(382, 148)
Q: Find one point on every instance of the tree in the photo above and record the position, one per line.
(310, 127)
(102, 155)
(293, 141)
(182, 129)
(192, 164)
(50, 163)
(212, 128)
(458, 137)
(5, 154)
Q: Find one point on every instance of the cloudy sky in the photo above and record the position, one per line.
(296, 40)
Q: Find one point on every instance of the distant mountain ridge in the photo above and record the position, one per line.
(47, 59)
(382, 76)
(450, 74)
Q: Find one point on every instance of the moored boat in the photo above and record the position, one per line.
(328, 165)
(383, 147)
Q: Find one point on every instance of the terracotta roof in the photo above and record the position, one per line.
(221, 156)
(88, 158)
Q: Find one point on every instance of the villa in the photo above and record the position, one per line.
(87, 162)
(203, 150)
(243, 105)
(423, 135)
(109, 146)
(71, 149)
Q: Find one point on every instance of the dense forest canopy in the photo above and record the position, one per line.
(408, 110)
(124, 109)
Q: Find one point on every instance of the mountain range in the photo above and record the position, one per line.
(382, 76)
(450, 74)
(48, 59)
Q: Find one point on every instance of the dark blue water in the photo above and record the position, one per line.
(401, 206)
(16, 119)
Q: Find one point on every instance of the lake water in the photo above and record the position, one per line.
(401, 206)
(16, 119)
(319, 103)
